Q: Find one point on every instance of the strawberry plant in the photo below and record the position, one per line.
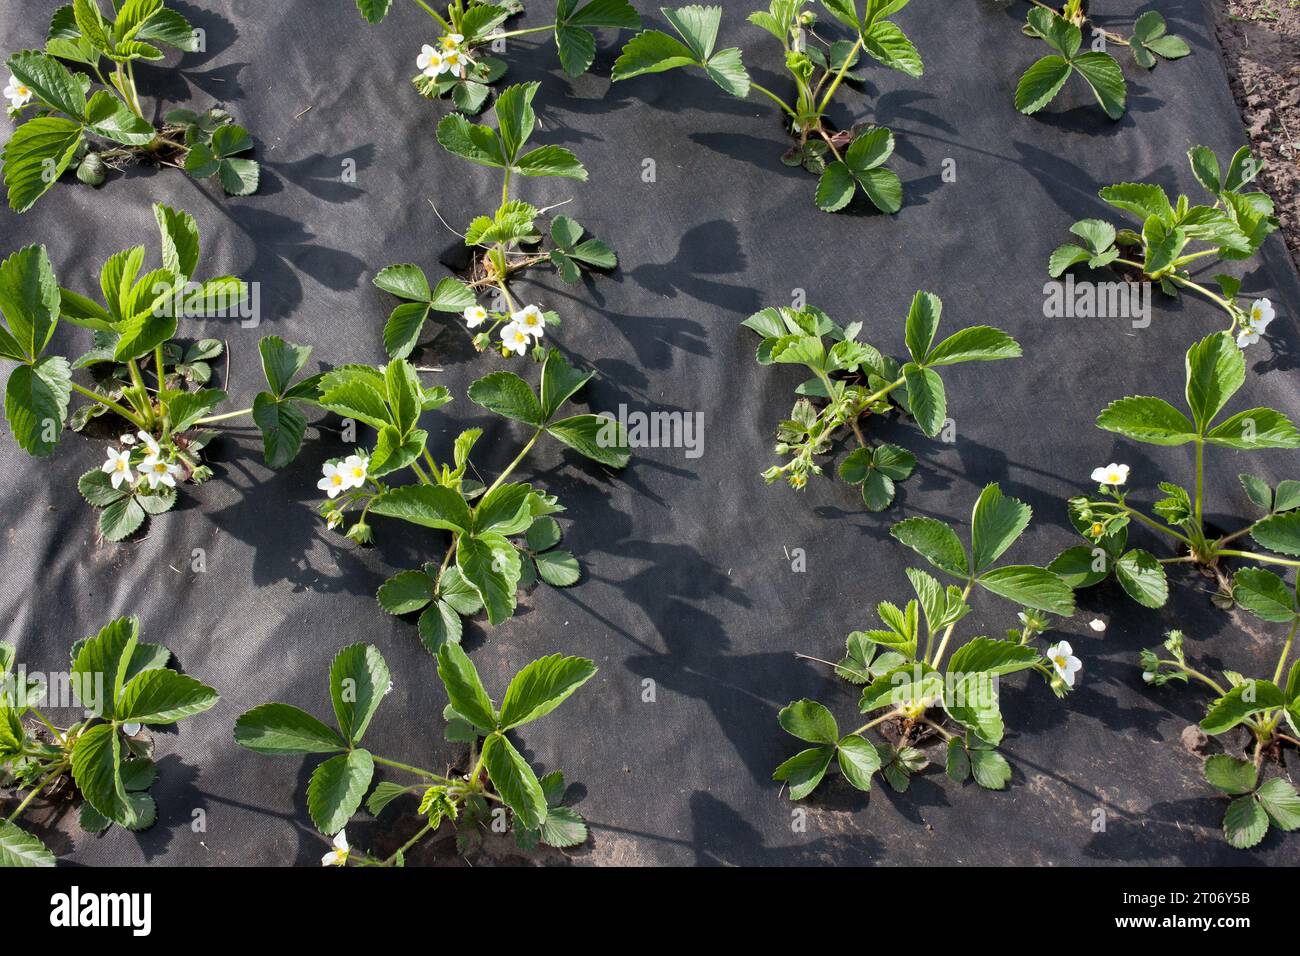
(68, 125)
(501, 535)
(1216, 370)
(502, 244)
(457, 65)
(1231, 229)
(1265, 708)
(495, 780)
(855, 380)
(914, 698)
(844, 160)
(1063, 32)
(148, 395)
(106, 759)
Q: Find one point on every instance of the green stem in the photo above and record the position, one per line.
(111, 405)
(839, 77)
(514, 464)
(397, 765)
(773, 97)
(225, 416)
(879, 720)
(1262, 558)
(1286, 651)
(943, 644)
(1193, 672)
(36, 790)
(519, 33)
(419, 835)
(1200, 483)
(433, 13)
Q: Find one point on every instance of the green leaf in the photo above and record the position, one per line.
(438, 625)
(29, 301)
(1040, 83)
(336, 788)
(283, 426)
(515, 781)
(1205, 165)
(374, 10)
(505, 393)
(1288, 495)
(1280, 533)
(283, 729)
(559, 569)
(95, 761)
(1256, 428)
(575, 44)
(19, 848)
(1147, 419)
(1281, 802)
(1230, 775)
(1258, 491)
(990, 656)
(1059, 33)
(1245, 823)
(887, 43)
(1104, 75)
(925, 398)
(464, 689)
(652, 51)
(979, 343)
(121, 519)
(1264, 595)
(104, 661)
(858, 759)
(491, 564)
(805, 770)
(958, 763)
(835, 188)
(992, 772)
(163, 697)
(599, 437)
(810, 721)
(1216, 369)
(37, 154)
(563, 827)
(922, 323)
(359, 679)
(1245, 700)
(1143, 200)
(971, 700)
(51, 81)
(405, 592)
(1143, 578)
(430, 506)
(36, 403)
(560, 381)
(934, 541)
(1030, 586)
(541, 687)
(996, 523)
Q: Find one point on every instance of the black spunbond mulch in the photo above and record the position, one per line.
(687, 580)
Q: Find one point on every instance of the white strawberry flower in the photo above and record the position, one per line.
(451, 41)
(431, 62)
(1256, 321)
(1112, 474)
(515, 338)
(455, 61)
(17, 94)
(531, 320)
(118, 466)
(335, 480)
(475, 316)
(339, 855)
(354, 469)
(149, 443)
(158, 471)
(1063, 660)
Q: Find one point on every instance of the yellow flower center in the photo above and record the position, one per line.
(358, 473)
(336, 479)
(1097, 529)
(448, 43)
(1060, 662)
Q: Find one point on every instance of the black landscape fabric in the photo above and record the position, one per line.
(689, 596)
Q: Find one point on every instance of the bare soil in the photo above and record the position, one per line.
(1261, 45)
